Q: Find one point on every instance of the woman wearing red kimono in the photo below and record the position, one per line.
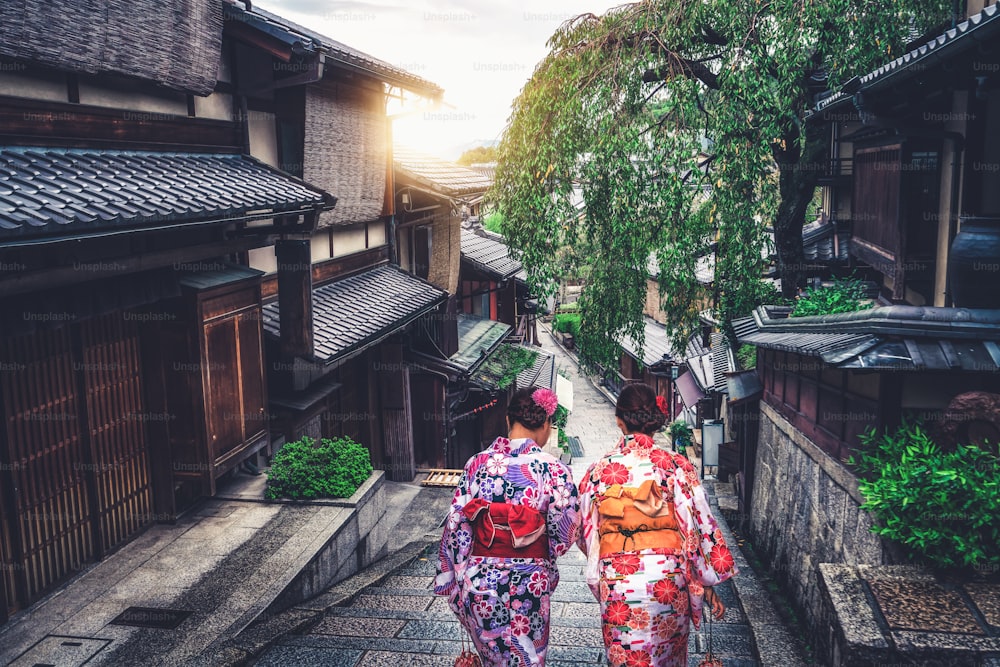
(653, 547)
(514, 512)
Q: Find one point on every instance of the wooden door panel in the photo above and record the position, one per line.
(50, 517)
(116, 417)
(252, 375)
(224, 409)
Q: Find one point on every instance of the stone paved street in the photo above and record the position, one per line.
(399, 621)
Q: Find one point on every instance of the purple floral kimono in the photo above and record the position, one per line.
(504, 602)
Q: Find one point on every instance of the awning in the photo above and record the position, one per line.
(886, 338)
(477, 338)
(48, 193)
(689, 390)
(354, 313)
(502, 368)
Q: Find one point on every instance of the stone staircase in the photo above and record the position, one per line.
(399, 621)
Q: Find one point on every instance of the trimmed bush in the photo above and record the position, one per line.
(942, 506)
(843, 296)
(567, 323)
(305, 469)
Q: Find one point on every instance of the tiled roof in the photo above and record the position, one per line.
(657, 347)
(542, 373)
(49, 191)
(703, 370)
(500, 362)
(341, 54)
(358, 311)
(446, 178)
(488, 253)
(892, 337)
(722, 361)
(979, 25)
(477, 337)
(817, 242)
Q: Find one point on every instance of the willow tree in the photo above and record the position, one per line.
(665, 126)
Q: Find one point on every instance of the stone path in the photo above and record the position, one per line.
(399, 621)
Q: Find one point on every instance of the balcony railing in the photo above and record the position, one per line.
(615, 381)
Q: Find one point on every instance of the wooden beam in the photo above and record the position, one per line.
(36, 122)
(65, 275)
(295, 300)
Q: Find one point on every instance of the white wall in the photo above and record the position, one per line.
(348, 240)
(263, 137)
(376, 234)
(131, 100)
(263, 259)
(15, 84)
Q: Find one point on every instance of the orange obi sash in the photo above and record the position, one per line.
(504, 530)
(633, 519)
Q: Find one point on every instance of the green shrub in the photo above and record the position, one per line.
(503, 366)
(843, 296)
(305, 469)
(493, 222)
(680, 434)
(567, 322)
(561, 417)
(944, 506)
(747, 356)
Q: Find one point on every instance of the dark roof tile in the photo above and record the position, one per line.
(355, 312)
(892, 337)
(49, 191)
(488, 253)
(446, 178)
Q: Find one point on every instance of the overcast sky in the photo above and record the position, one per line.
(480, 51)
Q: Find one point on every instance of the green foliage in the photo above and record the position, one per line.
(843, 296)
(619, 113)
(493, 222)
(680, 433)
(560, 417)
(944, 506)
(305, 469)
(747, 356)
(567, 322)
(477, 155)
(504, 365)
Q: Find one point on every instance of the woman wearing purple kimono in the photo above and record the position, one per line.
(514, 512)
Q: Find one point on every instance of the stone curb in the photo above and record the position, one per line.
(266, 630)
(772, 640)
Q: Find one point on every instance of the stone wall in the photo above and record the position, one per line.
(805, 510)
(360, 540)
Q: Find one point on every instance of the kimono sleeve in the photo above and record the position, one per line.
(456, 540)
(709, 561)
(589, 537)
(563, 513)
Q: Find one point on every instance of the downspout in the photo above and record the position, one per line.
(390, 189)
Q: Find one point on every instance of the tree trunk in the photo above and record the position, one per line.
(799, 170)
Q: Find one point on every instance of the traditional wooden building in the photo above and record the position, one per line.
(133, 374)
(338, 311)
(465, 379)
(912, 146)
(150, 210)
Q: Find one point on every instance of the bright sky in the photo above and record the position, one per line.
(480, 51)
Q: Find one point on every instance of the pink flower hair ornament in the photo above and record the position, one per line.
(546, 400)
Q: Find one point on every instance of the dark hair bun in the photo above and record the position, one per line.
(638, 409)
(523, 409)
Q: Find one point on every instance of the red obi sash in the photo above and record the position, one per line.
(503, 530)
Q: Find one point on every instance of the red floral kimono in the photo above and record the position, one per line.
(648, 597)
